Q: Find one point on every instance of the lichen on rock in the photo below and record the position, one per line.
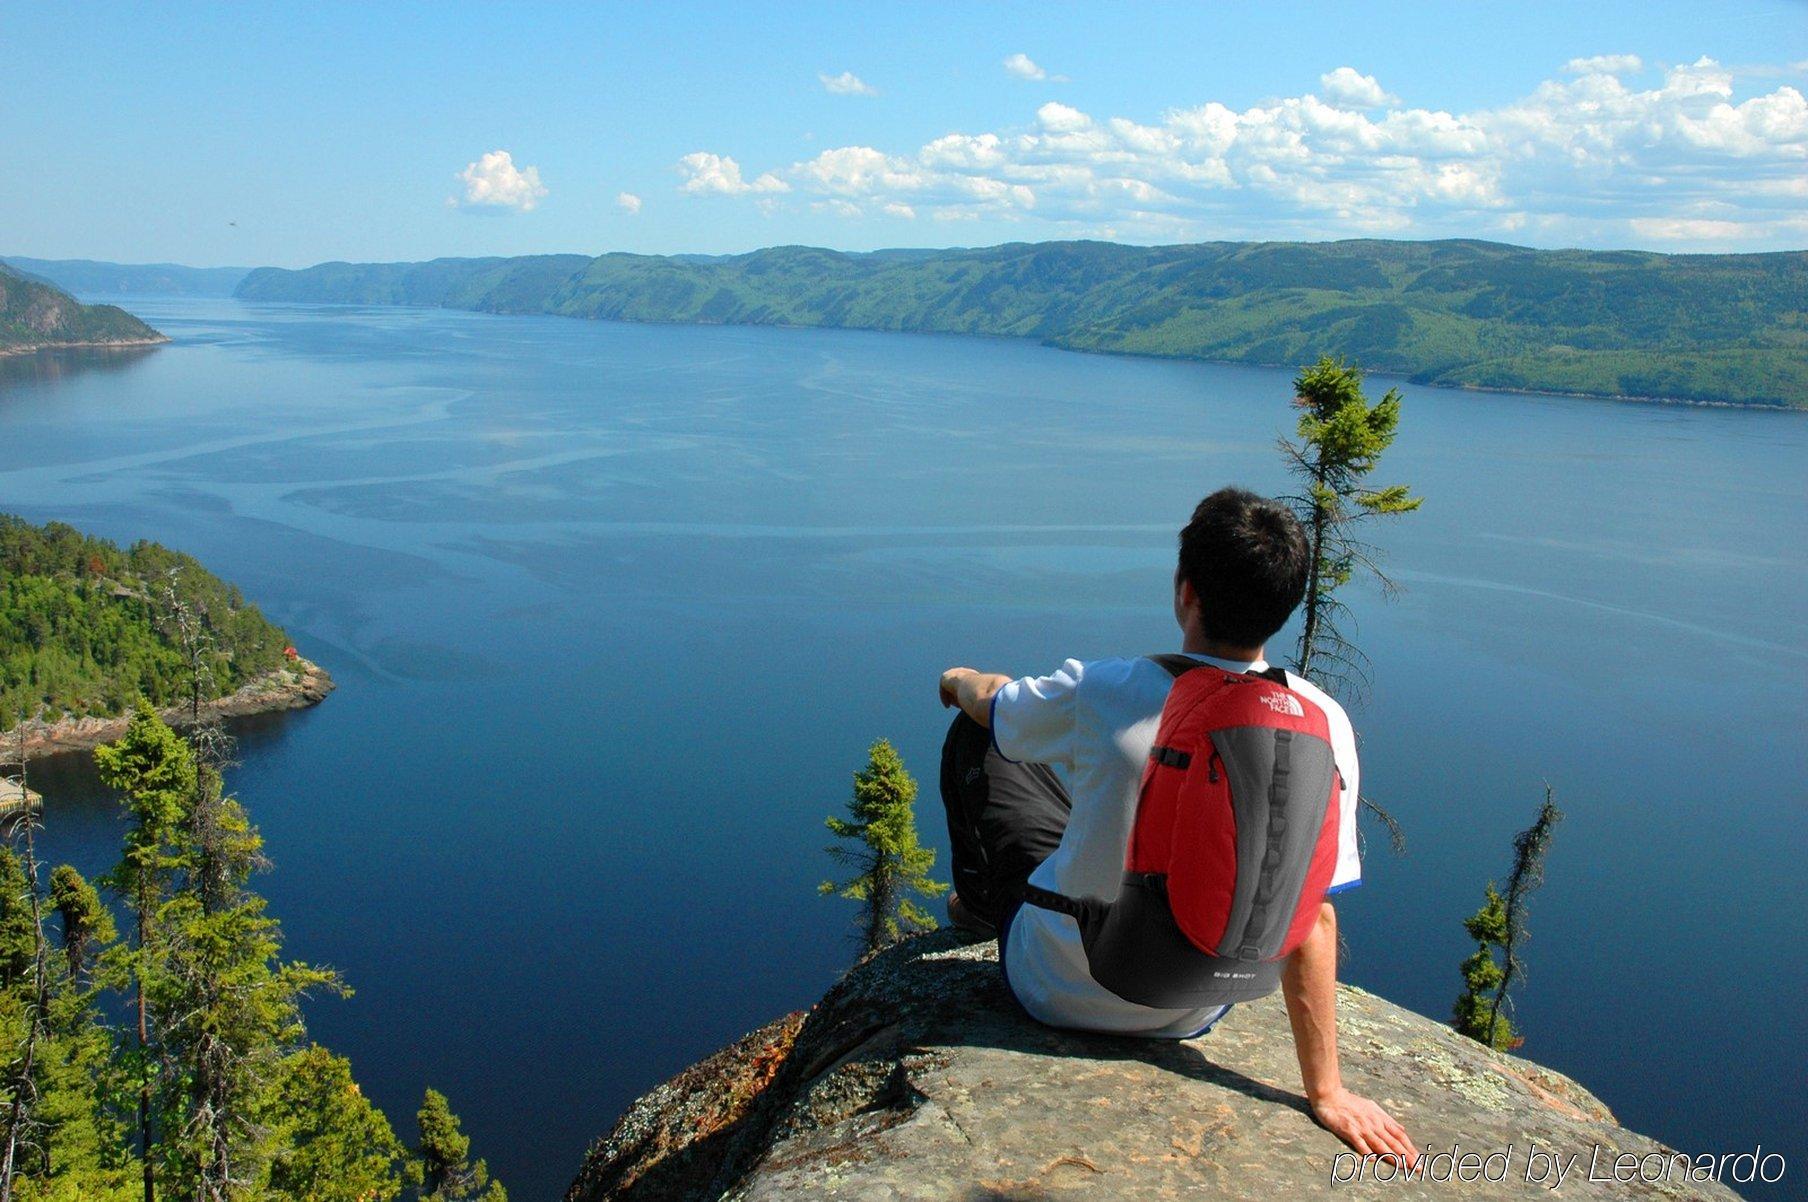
(918, 1077)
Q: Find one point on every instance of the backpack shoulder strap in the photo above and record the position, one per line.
(1177, 664)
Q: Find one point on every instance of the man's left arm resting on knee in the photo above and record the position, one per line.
(972, 692)
(1309, 985)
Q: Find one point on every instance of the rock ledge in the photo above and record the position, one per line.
(917, 1077)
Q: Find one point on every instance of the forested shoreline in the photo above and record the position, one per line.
(1720, 329)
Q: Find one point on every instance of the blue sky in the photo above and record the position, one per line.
(268, 135)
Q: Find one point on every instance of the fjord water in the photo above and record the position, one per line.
(615, 610)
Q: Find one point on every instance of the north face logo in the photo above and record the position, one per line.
(1284, 703)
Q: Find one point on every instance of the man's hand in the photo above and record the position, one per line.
(951, 684)
(972, 691)
(1361, 1123)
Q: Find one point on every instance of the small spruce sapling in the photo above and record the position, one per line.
(442, 1169)
(1483, 1010)
(888, 860)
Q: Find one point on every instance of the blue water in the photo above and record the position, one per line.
(615, 610)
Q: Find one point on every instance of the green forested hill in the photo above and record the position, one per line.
(86, 277)
(1730, 328)
(34, 313)
(492, 285)
(83, 628)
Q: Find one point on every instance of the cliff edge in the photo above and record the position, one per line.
(917, 1077)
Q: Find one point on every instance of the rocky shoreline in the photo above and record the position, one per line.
(32, 348)
(297, 686)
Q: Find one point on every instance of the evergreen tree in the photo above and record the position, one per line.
(18, 942)
(334, 1146)
(1341, 438)
(63, 1138)
(889, 861)
(153, 771)
(442, 1169)
(1481, 1009)
(31, 991)
(231, 1105)
(24, 1001)
(1475, 1015)
(227, 1004)
(87, 922)
(83, 1146)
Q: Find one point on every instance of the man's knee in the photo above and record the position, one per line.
(963, 757)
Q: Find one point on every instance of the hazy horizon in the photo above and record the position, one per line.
(8, 257)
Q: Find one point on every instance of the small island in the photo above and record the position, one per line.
(86, 628)
(36, 315)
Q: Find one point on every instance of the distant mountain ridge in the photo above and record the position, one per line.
(1711, 328)
(35, 315)
(90, 277)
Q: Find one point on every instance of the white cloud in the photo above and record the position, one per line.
(628, 203)
(1347, 88)
(1704, 156)
(1060, 118)
(1605, 64)
(847, 84)
(1024, 67)
(495, 180)
(895, 209)
(707, 173)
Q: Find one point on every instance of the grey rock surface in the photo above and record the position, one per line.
(918, 1077)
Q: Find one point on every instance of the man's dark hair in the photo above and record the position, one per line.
(1247, 558)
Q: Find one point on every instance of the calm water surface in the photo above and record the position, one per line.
(615, 610)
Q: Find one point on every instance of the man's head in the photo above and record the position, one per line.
(1243, 567)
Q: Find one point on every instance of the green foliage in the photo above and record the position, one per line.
(214, 1092)
(18, 933)
(333, 1145)
(88, 926)
(1482, 1010)
(1341, 437)
(61, 1085)
(1475, 1014)
(889, 861)
(34, 312)
(1726, 328)
(82, 627)
(442, 1169)
(154, 773)
(225, 1005)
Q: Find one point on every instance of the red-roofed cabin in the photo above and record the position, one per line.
(291, 653)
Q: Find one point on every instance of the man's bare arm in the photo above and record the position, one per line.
(1309, 985)
(972, 691)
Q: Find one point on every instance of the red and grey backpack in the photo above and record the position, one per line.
(1233, 847)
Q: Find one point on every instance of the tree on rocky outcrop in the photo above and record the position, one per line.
(1483, 1010)
(334, 1146)
(889, 862)
(442, 1169)
(1341, 437)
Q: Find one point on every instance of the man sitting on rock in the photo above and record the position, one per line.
(1041, 778)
